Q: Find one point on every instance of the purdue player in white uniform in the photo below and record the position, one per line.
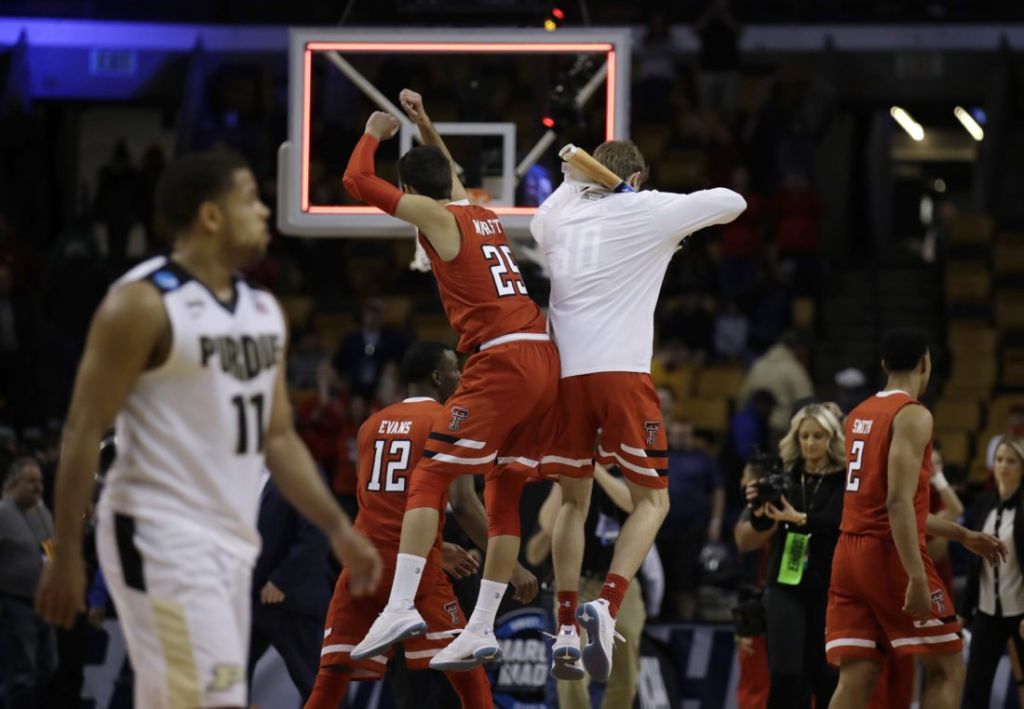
(607, 254)
(190, 360)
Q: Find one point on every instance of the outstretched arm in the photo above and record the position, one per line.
(984, 545)
(412, 104)
(435, 222)
(678, 215)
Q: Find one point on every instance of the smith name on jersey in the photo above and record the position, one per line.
(190, 436)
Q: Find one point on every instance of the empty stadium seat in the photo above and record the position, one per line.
(956, 447)
(719, 382)
(1010, 310)
(971, 229)
(957, 416)
(706, 414)
(999, 410)
(297, 309)
(1008, 258)
(968, 285)
(975, 371)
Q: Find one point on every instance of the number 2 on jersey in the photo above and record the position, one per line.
(852, 479)
(504, 265)
(391, 484)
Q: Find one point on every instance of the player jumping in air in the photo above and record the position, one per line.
(607, 253)
(495, 424)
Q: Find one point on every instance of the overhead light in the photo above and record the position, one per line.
(968, 122)
(912, 127)
(939, 185)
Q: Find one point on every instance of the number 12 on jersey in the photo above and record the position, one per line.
(852, 477)
(401, 449)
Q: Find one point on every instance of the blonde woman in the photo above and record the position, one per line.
(996, 592)
(802, 527)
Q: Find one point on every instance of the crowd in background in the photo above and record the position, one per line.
(726, 299)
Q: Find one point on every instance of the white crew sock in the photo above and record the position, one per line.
(491, 593)
(408, 572)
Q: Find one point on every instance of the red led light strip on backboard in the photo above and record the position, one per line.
(440, 47)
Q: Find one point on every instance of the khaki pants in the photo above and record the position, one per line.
(621, 687)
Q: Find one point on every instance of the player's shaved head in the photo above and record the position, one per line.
(427, 171)
(623, 158)
(191, 180)
(902, 350)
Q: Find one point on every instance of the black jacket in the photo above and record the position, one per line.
(294, 557)
(982, 507)
(824, 508)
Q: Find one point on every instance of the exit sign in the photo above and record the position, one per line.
(113, 62)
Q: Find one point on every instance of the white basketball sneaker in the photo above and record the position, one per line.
(565, 655)
(467, 651)
(600, 626)
(391, 626)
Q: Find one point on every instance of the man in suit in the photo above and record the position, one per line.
(290, 589)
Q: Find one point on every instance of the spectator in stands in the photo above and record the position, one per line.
(802, 524)
(290, 589)
(732, 329)
(755, 680)
(695, 516)
(153, 163)
(741, 240)
(655, 69)
(1014, 427)
(995, 594)
(770, 307)
(26, 538)
(719, 57)
(610, 503)
(362, 354)
(749, 431)
(782, 370)
(306, 357)
(18, 320)
(797, 210)
(691, 325)
(115, 206)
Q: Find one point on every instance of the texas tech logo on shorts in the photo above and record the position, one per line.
(652, 428)
(459, 415)
(452, 609)
(939, 602)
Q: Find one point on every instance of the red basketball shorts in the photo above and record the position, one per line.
(498, 422)
(865, 607)
(624, 407)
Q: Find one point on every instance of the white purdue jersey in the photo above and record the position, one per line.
(190, 436)
(607, 254)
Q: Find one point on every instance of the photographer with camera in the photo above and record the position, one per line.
(796, 507)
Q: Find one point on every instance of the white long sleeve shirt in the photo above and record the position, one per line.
(607, 254)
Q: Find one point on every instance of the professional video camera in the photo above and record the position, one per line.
(772, 480)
